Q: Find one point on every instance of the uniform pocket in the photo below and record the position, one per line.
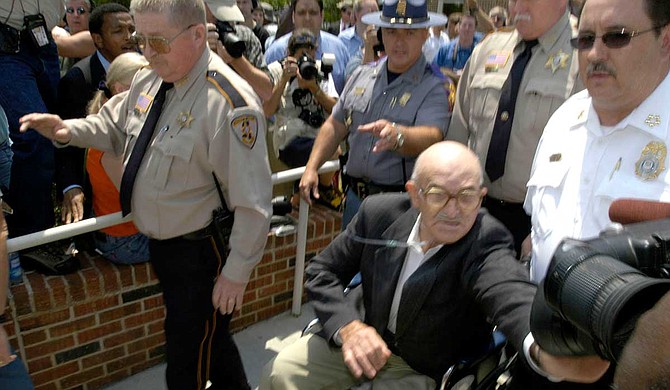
(546, 195)
(173, 163)
(485, 95)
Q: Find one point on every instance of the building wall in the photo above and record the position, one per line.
(105, 322)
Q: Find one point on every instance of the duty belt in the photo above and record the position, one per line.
(200, 234)
(365, 188)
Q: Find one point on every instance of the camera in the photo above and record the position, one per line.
(595, 290)
(307, 67)
(233, 44)
(314, 119)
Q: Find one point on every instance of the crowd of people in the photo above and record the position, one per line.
(471, 143)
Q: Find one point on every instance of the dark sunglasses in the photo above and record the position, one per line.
(80, 10)
(612, 39)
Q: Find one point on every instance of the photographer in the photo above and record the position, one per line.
(245, 56)
(301, 102)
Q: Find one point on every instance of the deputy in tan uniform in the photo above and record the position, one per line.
(549, 78)
(211, 122)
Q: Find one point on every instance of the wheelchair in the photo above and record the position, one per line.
(487, 370)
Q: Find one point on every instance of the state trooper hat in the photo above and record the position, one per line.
(225, 10)
(405, 14)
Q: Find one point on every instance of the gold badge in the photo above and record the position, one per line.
(184, 119)
(143, 103)
(245, 128)
(359, 91)
(555, 157)
(557, 61)
(653, 120)
(652, 161)
(401, 8)
(405, 98)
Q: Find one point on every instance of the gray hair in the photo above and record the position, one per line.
(180, 12)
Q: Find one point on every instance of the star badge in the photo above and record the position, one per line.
(557, 61)
(184, 119)
(653, 120)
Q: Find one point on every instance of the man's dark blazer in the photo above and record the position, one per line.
(74, 93)
(448, 306)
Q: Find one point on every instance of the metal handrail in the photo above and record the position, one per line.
(97, 223)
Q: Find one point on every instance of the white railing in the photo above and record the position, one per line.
(97, 223)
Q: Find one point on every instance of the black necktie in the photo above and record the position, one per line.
(130, 172)
(497, 154)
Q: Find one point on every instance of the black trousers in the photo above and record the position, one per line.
(199, 344)
(513, 216)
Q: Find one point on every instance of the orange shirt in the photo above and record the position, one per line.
(105, 195)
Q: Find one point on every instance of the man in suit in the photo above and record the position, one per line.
(111, 26)
(437, 273)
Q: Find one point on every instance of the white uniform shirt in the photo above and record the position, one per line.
(581, 167)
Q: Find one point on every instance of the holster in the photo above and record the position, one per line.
(222, 227)
(10, 39)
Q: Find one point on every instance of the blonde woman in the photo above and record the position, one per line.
(122, 244)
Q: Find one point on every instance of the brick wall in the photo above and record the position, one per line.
(105, 322)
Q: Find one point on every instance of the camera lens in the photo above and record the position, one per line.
(307, 66)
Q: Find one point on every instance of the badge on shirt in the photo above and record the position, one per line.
(245, 127)
(557, 61)
(143, 103)
(404, 98)
(184, 119)
(495, 61)
(652, 161)
(653, 120)
(359, 91)
(555, 157)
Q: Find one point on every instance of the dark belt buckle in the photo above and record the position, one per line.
(361, 189)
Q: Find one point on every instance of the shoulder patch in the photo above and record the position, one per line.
(227, 89)
(245, 126)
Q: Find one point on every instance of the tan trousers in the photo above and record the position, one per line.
(310, 363)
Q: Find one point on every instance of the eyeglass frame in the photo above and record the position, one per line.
(426, 191)
(574, 42)
(143, 41)
(79, 10)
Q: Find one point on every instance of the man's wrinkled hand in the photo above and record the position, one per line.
(363, 349)
(228, 295)
(72, 209)
(580, 369)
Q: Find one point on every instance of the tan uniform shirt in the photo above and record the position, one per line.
(199, 132)
(53, 11)
(551, 76)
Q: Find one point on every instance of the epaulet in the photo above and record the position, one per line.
(435, 70)
(447, 82)
(227, 89)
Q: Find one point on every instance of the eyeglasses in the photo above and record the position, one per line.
(612, 39)
(80, 10)
(466, 199)
(160, 45)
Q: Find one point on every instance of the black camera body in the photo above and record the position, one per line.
(307, 67)
(595, 290)
(233, 44)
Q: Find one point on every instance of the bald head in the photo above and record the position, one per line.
(447, 156)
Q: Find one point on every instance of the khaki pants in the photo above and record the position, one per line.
(310, 363)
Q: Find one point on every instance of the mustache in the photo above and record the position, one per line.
(443, 217)
(599, 67)
(522, 17)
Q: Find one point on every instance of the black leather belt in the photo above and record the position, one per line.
(200, 234)
(364, 188)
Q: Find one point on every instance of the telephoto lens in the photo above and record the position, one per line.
(307, 66)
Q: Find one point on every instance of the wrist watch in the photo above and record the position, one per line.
(400, 137)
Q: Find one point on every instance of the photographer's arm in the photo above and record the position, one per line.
(579, 369)
(258, 79)
(271, 106)
(78, 45)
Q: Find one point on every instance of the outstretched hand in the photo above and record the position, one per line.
(50, 126)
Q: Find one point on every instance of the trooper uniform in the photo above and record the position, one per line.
(548, 80)
(211, 122)
(416, 98)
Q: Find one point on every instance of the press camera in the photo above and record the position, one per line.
(233, 44)
(595, 290)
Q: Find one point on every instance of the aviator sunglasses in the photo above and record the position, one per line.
(79, 10)
(160, 45)
(612, 39)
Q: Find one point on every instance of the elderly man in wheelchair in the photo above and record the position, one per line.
(437, 273)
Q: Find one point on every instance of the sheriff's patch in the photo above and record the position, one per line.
(245, 127)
